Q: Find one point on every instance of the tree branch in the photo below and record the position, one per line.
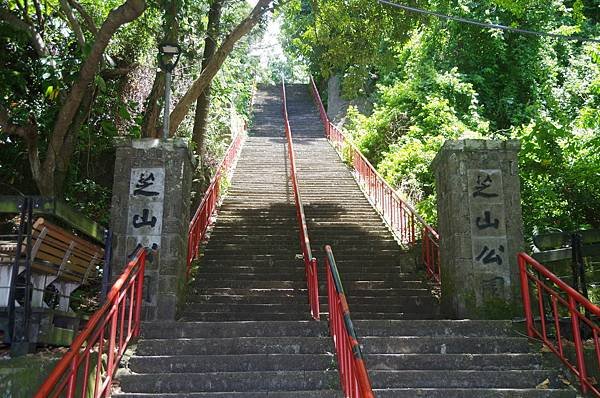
(183, 106)
(73, 23)
(90, 25)
(30, 135)
(19, 24)
(40, 16)
(125, 13)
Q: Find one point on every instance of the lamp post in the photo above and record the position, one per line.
(168, 57)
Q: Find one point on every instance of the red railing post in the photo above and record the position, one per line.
(394, 210)
(139, 292)
(62, 381)
(560, 293)
(579, 354)
(526, 296)
(202, 217)
(310, 263)
(352, 370)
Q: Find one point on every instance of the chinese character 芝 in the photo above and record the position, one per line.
(143, 183)
(482, 185)
(144, 220)
(488, 256)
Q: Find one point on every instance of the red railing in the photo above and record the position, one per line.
(310, 263)
(556, 302)
(353, 372)
(202, 218)
(404, 221)
(87, 369)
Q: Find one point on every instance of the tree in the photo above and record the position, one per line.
(182, 107)
(203, 101)
(49, 165)
(150, 124)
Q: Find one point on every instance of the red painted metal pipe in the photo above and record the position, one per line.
(310, 263)
(399, 215)
(353, 371)
(582, 314)
(63, 378)
(202, 217)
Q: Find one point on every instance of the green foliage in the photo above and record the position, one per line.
(432, 80)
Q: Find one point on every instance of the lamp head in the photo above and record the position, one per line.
(168, 56)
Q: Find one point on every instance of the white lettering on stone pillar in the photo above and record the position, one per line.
(487, 218)
(146, 199)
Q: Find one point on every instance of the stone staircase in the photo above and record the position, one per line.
(246, 330)
(410, 351)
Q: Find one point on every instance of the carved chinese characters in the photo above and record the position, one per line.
(488, 228)
(146, 199)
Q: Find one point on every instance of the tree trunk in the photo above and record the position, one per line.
(183, 106)
(203, 102)
(127, 12)
(153, 107)
(68, 148)
(152, 120)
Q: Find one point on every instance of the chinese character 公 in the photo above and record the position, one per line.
(488, 256)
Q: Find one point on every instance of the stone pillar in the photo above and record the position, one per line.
(480, 226)
(150, 205)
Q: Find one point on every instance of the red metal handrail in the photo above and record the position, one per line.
(202, 218)
(310, 263)
(404, 221)
(105, 337)
(353, 372)
(564, 302)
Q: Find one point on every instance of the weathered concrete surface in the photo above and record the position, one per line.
(480, 226)
(165, 272)
(337, 106)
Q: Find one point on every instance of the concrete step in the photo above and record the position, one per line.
(173, 330)
(486, 362)
(261, 394)
(473, 393)
(464, 328)
(231, 363)
(443, 345)
(234, 346)
(527, 379)
(230, 381)
(241, 316)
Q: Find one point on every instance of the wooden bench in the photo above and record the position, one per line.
(58, 257)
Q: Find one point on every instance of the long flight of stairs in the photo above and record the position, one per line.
(410, 350)
(245, 331)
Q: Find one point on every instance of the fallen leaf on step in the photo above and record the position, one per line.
(545, 348)
(544, 385)
(564, 380)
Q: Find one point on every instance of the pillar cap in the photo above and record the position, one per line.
(473, 145)
(171, 144)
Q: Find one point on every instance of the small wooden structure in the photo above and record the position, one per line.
(44, 257)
